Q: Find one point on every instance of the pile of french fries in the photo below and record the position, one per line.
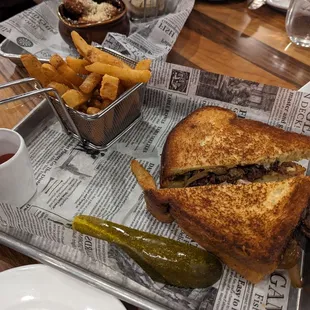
(91, 83)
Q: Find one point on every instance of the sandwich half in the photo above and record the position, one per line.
(252, 228)
(213, 146)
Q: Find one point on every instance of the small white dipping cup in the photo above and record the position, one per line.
(17, 182)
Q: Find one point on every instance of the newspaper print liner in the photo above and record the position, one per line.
(108, 190)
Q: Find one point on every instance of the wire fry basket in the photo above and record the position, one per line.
(98, 131)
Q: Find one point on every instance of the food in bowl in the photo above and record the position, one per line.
(92, 20)
(89, 11)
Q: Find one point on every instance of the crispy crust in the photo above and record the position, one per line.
(212, 137)
(157, 208)
(247, 226)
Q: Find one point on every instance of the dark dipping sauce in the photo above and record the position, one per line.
(5, 157)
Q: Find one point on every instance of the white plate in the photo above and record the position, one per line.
(39, 287)
(279, 4)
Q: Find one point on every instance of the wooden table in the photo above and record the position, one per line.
(223, 38)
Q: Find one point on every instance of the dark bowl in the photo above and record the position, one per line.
(93, 32)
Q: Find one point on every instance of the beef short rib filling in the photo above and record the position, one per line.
(292, 252)
(248, 173)
(305, 222)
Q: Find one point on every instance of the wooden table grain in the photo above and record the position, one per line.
(223, 38)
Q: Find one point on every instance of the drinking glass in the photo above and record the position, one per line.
(298, 22)
(146, 10)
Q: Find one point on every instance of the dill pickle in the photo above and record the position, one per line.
(164, 260)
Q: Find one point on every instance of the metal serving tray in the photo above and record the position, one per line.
(299, 299)
(28, 125)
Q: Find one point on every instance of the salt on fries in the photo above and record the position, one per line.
(77, 65)
(34, 68)
(91, 83)
(74, 98)
(60, 88)
(109, 87)
(144, 64)
(124, 74)
(53, 75)
(93, 54)
(61, 66)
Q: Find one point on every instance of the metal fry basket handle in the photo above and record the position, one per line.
(43, 91)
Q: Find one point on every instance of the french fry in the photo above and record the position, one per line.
(63, 69)
(53, 75)
(77, 65)
(95, 103)
(144, 64)
(145, 180)
(92, 110)
(96, 55)
(91, 81)
(56, 61)
(109, 87)
(93, 54)
(74, 98)
(83, 108)
(106, 103)
(34, 68)
(81, 45)
(130, 75)
(61, 88)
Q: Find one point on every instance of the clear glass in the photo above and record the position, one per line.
(298, 22)
(146, 10)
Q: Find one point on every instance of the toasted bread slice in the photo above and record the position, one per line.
(247, 226)
(214, 139)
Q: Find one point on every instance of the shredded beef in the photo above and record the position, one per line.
(236, 172)
(254, 172)
(249, 173)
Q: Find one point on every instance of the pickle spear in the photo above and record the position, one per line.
(164, 260)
